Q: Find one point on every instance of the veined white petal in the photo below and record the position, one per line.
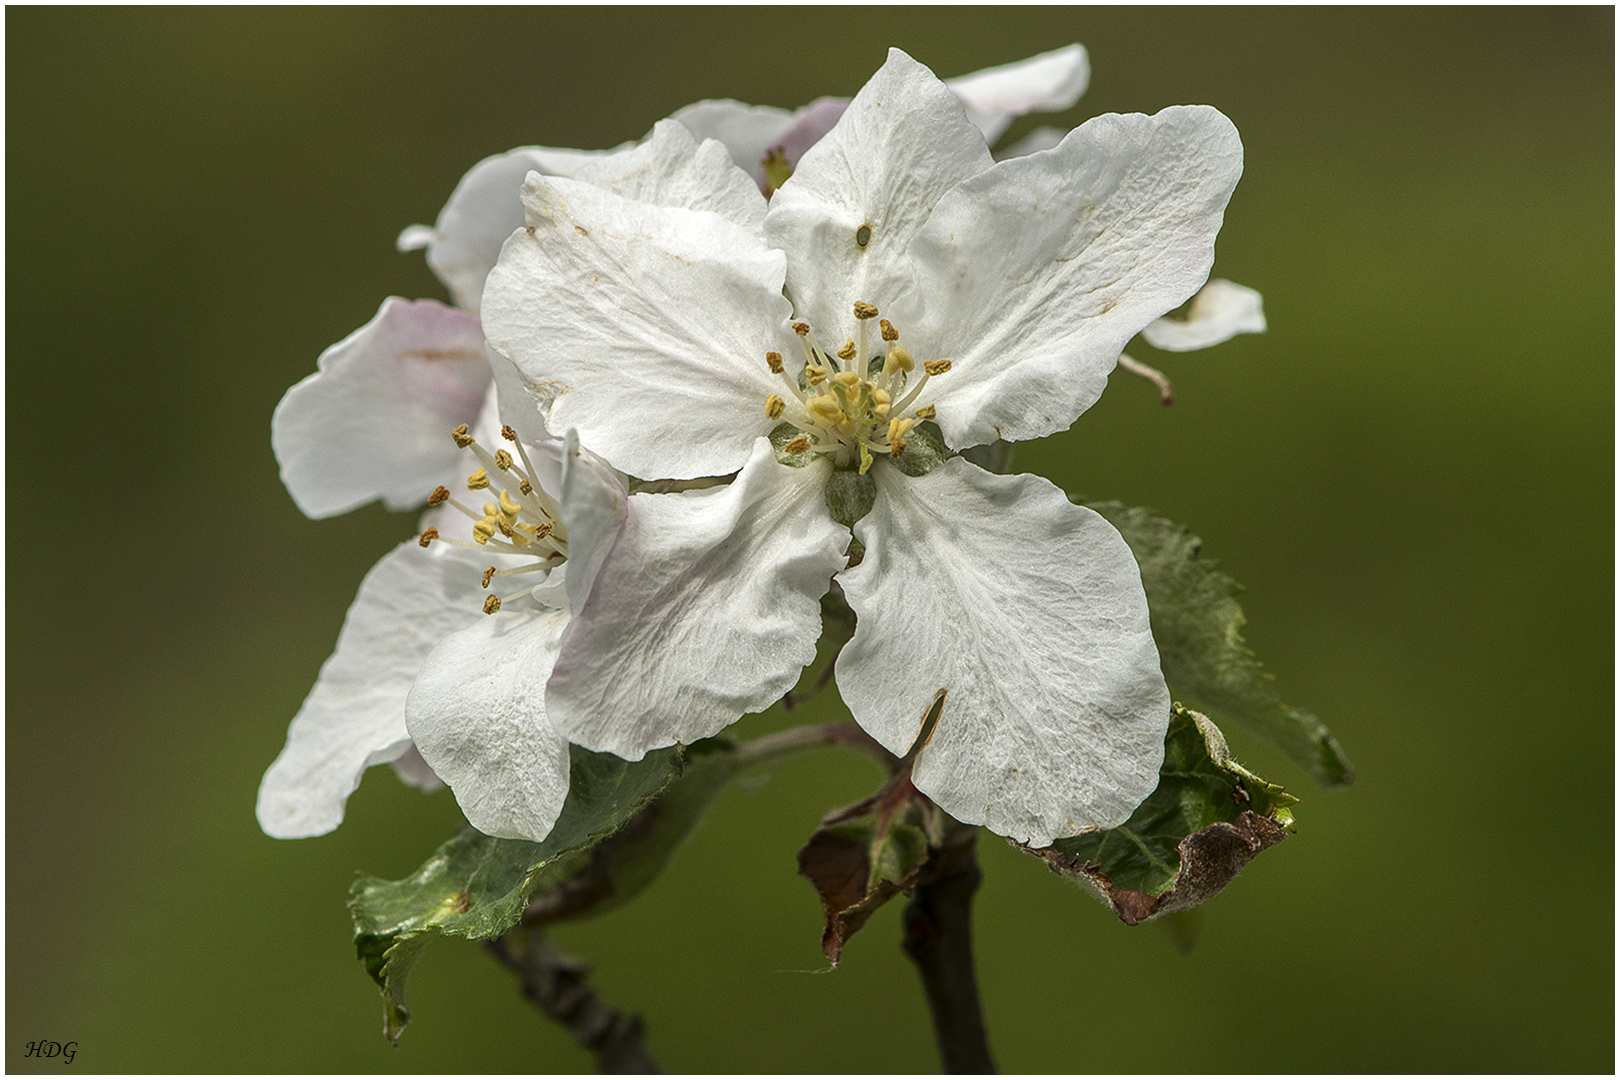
(1034, 275)
(1221, 311)
(708, 607)
(591, 498)
(1042, 138)
(482, 212)
(355, 716)
(671, 168)
(478, 715)
(1050, 82)
(1028, 613)
(373, 421)
(647, 326)
(899, 147)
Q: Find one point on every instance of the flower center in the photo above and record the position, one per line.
(853, 399)
(526, 524)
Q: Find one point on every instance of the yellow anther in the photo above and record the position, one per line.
(880, 396)
(799, 445)
(526, 487)
(848, 351)
(483, 529)
(897, 447)
(520, 538)
(866, 459)
(847, 378)
(863, 310)
(492, 604)
(492, 511)
(925, 413)
(898, 360)
(889, 332)
(487, 575)
(463, 440)
(506, 530)
(503, 460)
(937, 367)
(428, 537)
(824, 410)
(542, 529)
(773, 360)
(440, 494)
(509, 507)
(507, 433)
(478, 480)
(898, 428)
(814, 374)
(774, 406)
(801, 328)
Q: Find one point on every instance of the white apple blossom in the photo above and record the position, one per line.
(677, 341)
(397, 678)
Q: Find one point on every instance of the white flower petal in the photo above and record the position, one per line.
(373, 421)
(482, 212)
(671, 168)
(412, 770)
(1050, 82)
(708, 607)
(1028, 612)
(591, 499)
(355, 716)
(1034, 275)
(747, 131)
(478, 715)
(1042, 138)
(902, 144)
(646, 325)
(1220, 312)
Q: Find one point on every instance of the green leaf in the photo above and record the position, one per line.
(616, 870)
(476, 886)
(1197, 626)
(1208, 817)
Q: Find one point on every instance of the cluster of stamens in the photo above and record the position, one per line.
(527, 524)
(849, 401)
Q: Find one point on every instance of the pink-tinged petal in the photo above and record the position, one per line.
(671, 168)
(355, 715)
(1027, 613)
(810, 126)
(1050, 82)
(707, 608)
(1220, 312)
(645, 326)
(373, 422)
(482, 212)
(1033, 276)
(478, 715)
(899, 147)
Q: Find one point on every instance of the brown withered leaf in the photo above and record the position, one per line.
(865, 855)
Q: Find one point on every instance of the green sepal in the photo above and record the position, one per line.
(1205, 821)
(925, 450)
(477, 886)
(1197, 627)
(850, 496)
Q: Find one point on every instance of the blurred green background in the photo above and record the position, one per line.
(1412, 473)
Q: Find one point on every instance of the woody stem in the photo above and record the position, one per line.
(939, 940)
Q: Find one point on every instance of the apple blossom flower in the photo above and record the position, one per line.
(680, 343)
(398, 685)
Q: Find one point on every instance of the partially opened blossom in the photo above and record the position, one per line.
(900, 280)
